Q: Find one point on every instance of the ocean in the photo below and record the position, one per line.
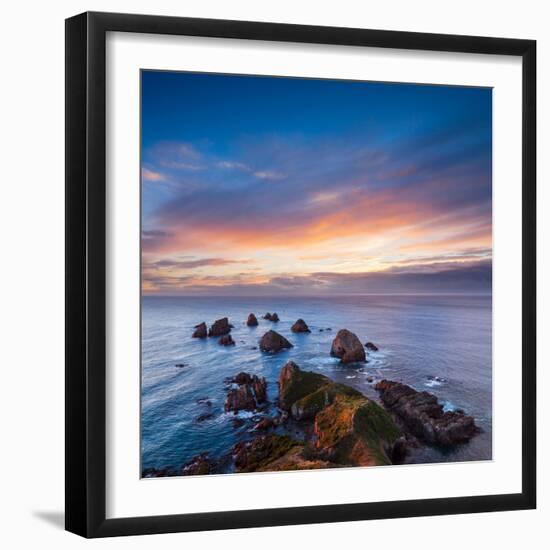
(438, 343)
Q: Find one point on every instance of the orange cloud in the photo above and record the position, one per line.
(150, 175)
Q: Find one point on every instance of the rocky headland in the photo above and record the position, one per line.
(422, 415)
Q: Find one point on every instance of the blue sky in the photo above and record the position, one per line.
(259, 185)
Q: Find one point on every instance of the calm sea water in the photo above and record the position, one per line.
(419, 337)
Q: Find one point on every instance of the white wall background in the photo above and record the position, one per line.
(32, 270)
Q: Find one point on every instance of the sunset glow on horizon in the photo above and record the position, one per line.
(262, 185)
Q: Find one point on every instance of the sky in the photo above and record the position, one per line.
(286, 186)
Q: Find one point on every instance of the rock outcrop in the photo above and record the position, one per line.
(298, 391)
(355, 431)
(226, 340)
(197, 466)
(249, 393)
(371, 347)
(259, 386)
(271, 317)
(300, 326)
(240, 399)
(271, 453)
(201, 331)
(220, 327)
(273, 342)
(347, 347)
(252, 321)
(423, 415)
(265, 424)
(204, 416)
(350, 428)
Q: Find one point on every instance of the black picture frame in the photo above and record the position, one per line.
(86, 269)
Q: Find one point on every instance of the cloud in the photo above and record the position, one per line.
(151, 175)
(269, 175)
(230, 165)
(181, 165)
(192, 264)
(415, 205)
(472, 277)
(149, 234)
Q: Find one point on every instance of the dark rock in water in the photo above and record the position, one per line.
(226, 340)
(200, 331)
(240, 399)
(281, 419)
(370, 379)
(220, 327)
(157, 472)
(347, 347)
(204, 416)
(253, 348)
(181, 365)
(204, 401)
(259, 385)
(238, 423)
(272, 317)
(241, 378)
(273, 342)
(328, 329)
(251, 392)
(265, 424)
(424, 417)
(435, 378)
(197, 466)
(300, 326)
(252, 321)
(321, 330)
(371, 347)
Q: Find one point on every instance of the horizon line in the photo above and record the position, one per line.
(155, 295)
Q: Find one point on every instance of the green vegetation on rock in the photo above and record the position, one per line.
(295, 384)
(349, 428)
(356, 431)
(308, 406)
(254, 455)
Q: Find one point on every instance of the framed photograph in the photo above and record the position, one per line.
(300, 274)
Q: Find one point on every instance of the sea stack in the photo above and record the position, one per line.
(271, 317)
(250, 392)
(220, 327)
(347, 347)
(252, 321)
(273, 342)
(226, 340)
(200, 331)
(300, 326)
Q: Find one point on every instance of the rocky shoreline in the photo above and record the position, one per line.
(320, 423)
